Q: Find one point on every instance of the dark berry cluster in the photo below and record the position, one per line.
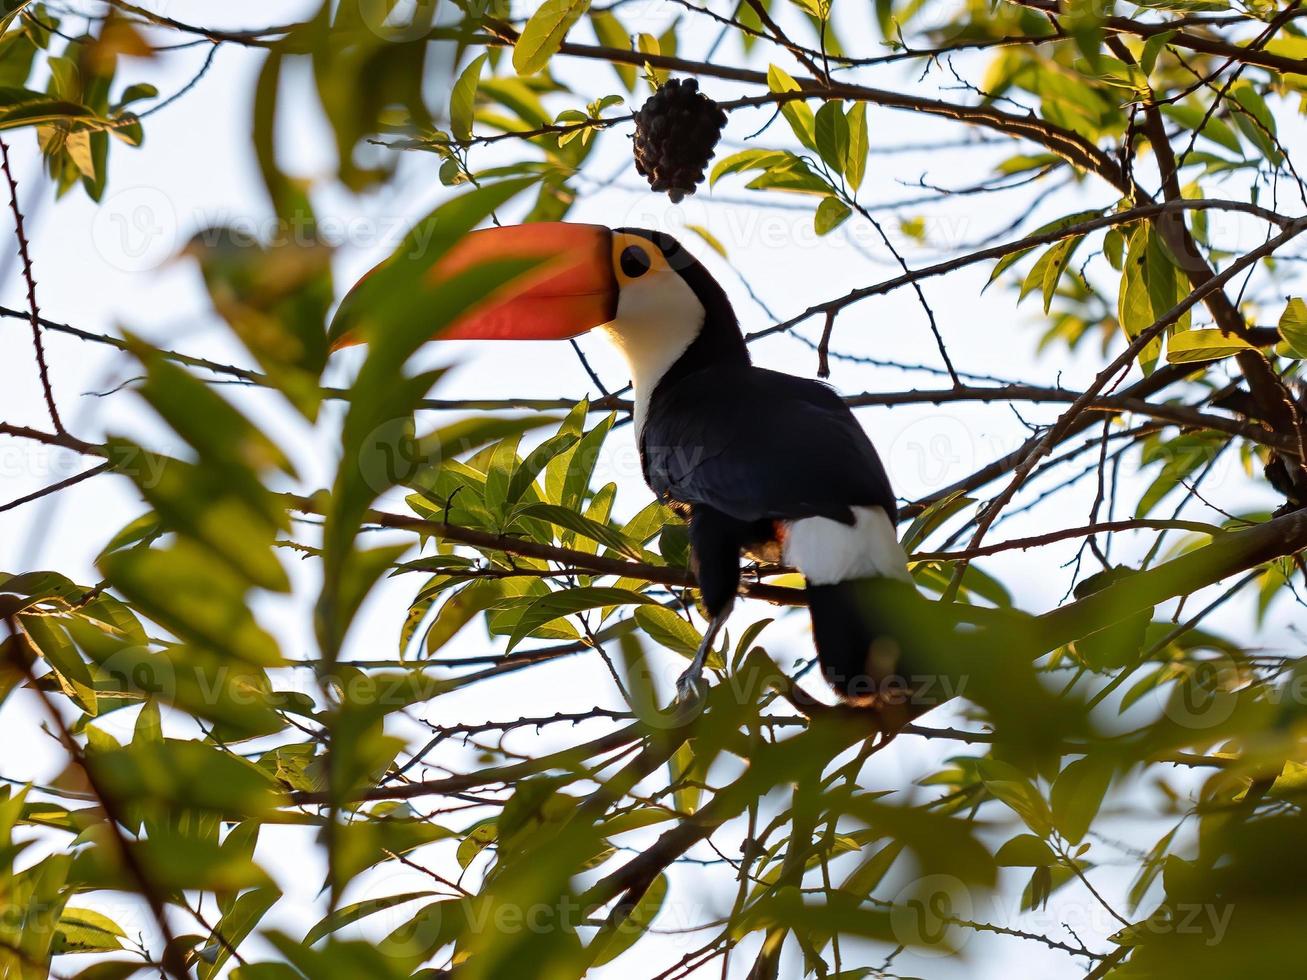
(675, 132)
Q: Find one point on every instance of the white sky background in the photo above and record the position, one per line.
(103, 269)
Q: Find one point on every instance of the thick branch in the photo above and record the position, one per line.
(1192, 41)
(1227, 555)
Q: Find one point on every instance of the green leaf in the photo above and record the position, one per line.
(1152, 48)
(932, 518)
(172, 861)
(1065, 221)
(86, 931)
(831, 213)
(668, 629)
(1150, 868)
(1293, 326)
(499, 471)
(461, 608)
(1010, 784)
(585, 526)
(12, 10)
(235, 697)
(1077, 794)
(544, 32)
(1084, 22)
(477, 839)
(791, 173)
(69, 668)
(885, 18)
(1139, 282)
(223, 510)
(195, 596)
(685, 774)
(745, 160)
(462, 100)
(750, 635)
(1025, 851)
(581, 461)
(1182, 457)
(246, 913)
(855, 160)
(260, 971)
(1190, 346)
(1190, 115)
(536, 460)
(366, 844)
(1047, 271)
(195, 411)
(611, 34)
(796, 111)
(648, 44)
(341, 917)
(862, 881)
(188, 774)
(394, 958)
(831, 134)
(557, 605)
(616, 936)
(1256, 121)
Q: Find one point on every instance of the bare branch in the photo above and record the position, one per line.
(34, 312)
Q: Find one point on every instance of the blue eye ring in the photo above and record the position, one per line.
(634, 261)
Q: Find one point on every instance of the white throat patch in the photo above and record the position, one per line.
(658, 317)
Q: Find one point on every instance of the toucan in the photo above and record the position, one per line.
(756, 461)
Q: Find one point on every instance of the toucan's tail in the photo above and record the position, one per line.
(862, 601)
(859, 627)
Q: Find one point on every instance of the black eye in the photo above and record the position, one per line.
(634, 261)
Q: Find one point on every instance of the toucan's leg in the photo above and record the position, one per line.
(690, 685)
(715, 541)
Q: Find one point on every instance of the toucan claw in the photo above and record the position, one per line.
(691, 687)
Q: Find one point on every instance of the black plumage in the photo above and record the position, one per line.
(760, 445)
(742, 452)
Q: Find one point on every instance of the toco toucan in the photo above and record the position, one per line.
(755, 460)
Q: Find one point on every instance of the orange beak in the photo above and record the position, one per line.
(573, 289)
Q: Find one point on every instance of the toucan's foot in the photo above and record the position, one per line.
(691, 688)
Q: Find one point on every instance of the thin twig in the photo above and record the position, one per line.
(56, 487)
(33, 310)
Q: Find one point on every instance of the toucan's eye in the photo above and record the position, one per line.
(634, 261)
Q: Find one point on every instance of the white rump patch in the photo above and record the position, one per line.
(827, 552)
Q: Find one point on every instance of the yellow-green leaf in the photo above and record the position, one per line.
(831, 213)
(1293, 326)
(544, 32)
(1188, 346)
(462, 100)
(797, 112)
(855, 161)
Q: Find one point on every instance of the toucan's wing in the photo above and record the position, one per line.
(757, 444)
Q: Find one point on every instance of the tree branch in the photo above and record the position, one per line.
(34, 314)
(1141, 212)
